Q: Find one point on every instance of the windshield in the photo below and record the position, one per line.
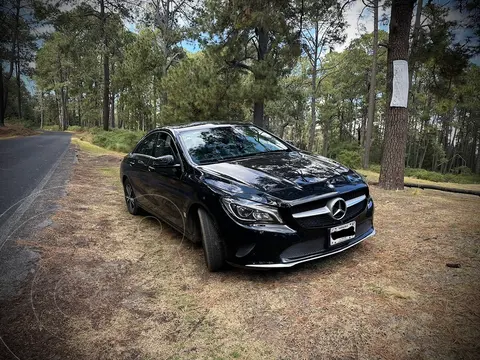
(228, 142)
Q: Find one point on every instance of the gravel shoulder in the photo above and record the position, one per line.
(113, 286)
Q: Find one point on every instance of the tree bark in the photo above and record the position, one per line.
(415, 39)
(373, 91)
(313, 101)
(477, 165)
(5, 79)
(19, 84)
(396, 125)
(41, 110)
(259, 104)
(106, 69)
(313, 105)
(326, 127)
(112, 110)
(3, 101)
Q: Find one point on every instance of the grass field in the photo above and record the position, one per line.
(114, 286)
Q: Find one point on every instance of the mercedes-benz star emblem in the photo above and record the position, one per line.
(338, 208)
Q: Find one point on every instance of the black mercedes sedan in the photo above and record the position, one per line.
(250, 198)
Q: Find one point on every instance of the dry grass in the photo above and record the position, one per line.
(113, 286)
(15, 130)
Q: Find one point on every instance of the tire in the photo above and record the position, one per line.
(130, 198)
(213, 245)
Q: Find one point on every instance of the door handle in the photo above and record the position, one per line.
(151, 168)
(131, 163)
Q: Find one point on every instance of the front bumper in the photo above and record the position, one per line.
(313, 257)
(257, 249)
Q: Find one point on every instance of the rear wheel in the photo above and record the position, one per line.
(213, 245)
(130, 198)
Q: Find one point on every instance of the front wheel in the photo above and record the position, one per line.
(130, 198)
(213, 245)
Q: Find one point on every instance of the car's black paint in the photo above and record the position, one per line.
(176, 190)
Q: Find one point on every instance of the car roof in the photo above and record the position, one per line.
(200, 125)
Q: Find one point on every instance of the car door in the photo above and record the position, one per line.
(167, 186)
(138, 162)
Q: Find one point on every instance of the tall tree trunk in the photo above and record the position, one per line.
(396, 125)
(259, 104)
(19, 85)
(106, 68)
(313, 105)
(313, 101)
(326, 129)
(258, 111)
(373, 91)
(422, 157)
(5, 79)
(112, 110)
(64, 99)
(477, 165)
(415, 39)
(3, 100)
(41, 110)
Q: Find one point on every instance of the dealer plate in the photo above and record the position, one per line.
(342, 233)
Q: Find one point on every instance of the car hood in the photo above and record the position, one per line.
(284, 176)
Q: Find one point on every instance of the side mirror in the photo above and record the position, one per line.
(165, 160)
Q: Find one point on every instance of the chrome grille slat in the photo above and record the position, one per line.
(324, 210)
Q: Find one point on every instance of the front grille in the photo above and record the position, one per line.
(302, 249)
(325, 220)
(322, 202)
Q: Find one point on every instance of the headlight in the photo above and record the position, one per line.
(247, 211)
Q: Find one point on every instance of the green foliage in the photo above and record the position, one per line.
(255, 37)
(29, 124)
(117, 140)
(256, 51)
(201, 90)
(438, 177)
(51, 127)
(347, 146)
(75, 128)
(352, 159)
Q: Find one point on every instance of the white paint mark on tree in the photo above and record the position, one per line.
(400, 84)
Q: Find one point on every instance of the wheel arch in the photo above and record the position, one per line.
(193, 222)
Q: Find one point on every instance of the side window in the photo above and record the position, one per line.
(146, 146)
(165, 146)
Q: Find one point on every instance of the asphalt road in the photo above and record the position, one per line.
(33, 174)
(24, 163)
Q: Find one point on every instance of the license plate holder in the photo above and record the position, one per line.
(342, 233)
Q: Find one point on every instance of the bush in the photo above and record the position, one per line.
(51, 127)
(117, 139)
(29, 124)
(463, 177)
(75, 128)
(423, 174)
(350, 158)
(374, 168)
